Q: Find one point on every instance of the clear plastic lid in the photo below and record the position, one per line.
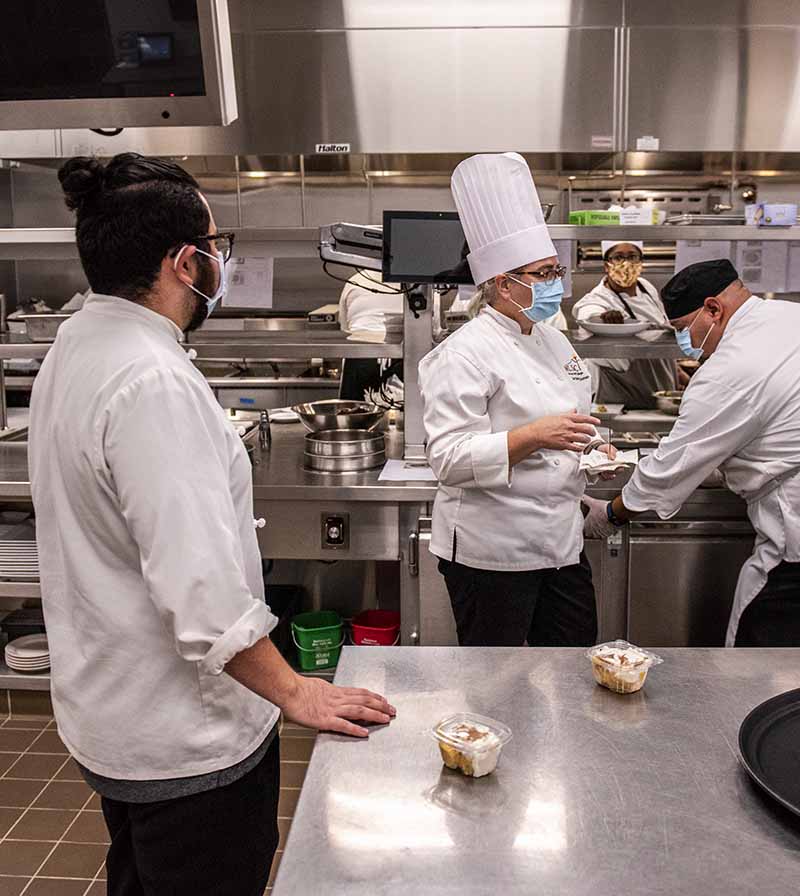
(623, 656)
(471, 733)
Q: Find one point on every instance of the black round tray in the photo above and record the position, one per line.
(769, 741)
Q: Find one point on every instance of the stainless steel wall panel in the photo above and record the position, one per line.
(37, 196)
(408, 198)
(323, 14)
(712, 12)
(52, 281)
(325, 203)
(684, 87)
(222, 197)
(271, 202)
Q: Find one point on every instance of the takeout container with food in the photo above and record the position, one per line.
(471, 743)
(620, 666)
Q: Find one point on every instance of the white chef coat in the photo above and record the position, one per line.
(484, 380)
(643, 300)
(150, 567)
(741, 413)
(365, 302)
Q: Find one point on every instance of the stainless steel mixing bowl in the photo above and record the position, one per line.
(338, 414)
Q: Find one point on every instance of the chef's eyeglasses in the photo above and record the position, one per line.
(546, 275)
(222, 241)
(631, 256)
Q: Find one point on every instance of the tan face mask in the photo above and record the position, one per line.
(624, 273)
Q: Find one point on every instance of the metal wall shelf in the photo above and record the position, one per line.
(628, 347)
(294, 344)
(25, 243)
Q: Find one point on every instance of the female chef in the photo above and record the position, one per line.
(624, 295)
(506, 404)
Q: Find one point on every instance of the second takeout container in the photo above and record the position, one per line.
(474, 759)
(620, 678)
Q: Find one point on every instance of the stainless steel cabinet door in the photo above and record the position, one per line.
(681, 584)
(683, 87)
(437, 625)
(610, 580)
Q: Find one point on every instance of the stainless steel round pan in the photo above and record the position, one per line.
(344, 443)
(344, 464)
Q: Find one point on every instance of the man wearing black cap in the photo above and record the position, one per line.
(740, 415)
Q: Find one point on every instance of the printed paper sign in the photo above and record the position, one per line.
(250, 282)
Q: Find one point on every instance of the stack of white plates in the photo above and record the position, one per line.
(28, 654)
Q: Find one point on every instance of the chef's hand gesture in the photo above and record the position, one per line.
(319, 704)
(561, 432)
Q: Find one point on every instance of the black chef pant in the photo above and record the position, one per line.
(217, 843)
(543, 607)
(772, 619)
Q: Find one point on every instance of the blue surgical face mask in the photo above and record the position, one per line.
(545, 299)
(222, 286)
(684, 339)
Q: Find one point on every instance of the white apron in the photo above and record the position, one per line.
(769, 550)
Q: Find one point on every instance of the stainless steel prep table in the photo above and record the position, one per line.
(595, 793)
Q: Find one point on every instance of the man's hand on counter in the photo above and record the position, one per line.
(307, 701)
(319, 704)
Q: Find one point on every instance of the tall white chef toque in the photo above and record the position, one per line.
(500, 212)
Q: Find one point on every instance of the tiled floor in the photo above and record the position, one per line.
(53, 838)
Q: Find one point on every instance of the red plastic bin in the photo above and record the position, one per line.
(376, 628)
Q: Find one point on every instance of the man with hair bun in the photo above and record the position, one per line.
(166, 687)
(740, 416)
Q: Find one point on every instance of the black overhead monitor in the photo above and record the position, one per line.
(424, 247)
(116, 63)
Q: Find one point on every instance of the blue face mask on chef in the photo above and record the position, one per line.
(545, 299)
(684, 339)
(222, 286)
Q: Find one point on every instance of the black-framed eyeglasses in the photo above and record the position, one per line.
(546, 275)
(223, 242)
(632, 257)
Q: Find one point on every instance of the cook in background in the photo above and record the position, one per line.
(624, 295)
(364, 305)
(165, 684)
(740, 414)
(506, 403)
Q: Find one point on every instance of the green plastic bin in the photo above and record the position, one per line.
(318, 637)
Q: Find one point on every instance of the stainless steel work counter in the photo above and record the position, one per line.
(279, 475)
(595, 794)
